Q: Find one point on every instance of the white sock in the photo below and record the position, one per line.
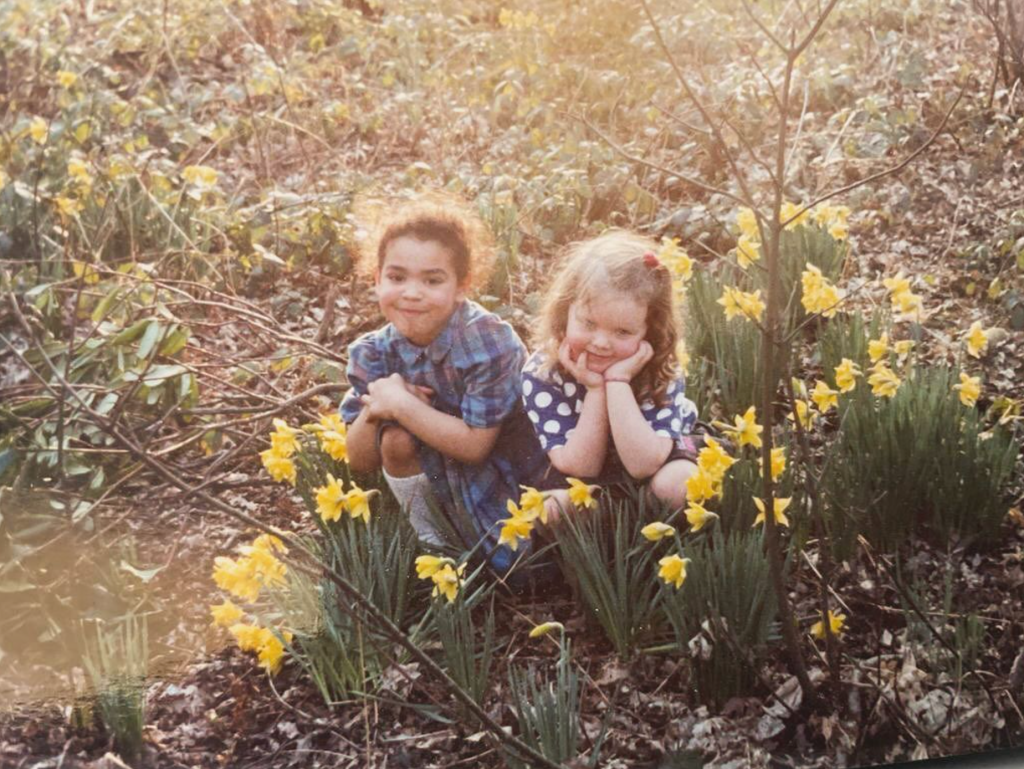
(411, 493)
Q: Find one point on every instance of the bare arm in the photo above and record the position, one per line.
(641, 450)
(583, 454)
(391, 398)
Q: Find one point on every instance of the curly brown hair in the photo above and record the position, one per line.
(431, 216)
(615, 261)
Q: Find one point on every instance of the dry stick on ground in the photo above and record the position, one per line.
(316, 570)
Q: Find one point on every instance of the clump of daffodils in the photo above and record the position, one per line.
(905, 303)
(523, 516)
(677, 262)
(447, 577)
(333, 437)
(819, 295)
(969, 389)
(277, 459)
(746, 304)
(332, 500)
(244, 578)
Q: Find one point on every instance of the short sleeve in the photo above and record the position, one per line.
(676, 416)
(492, 382)
(551, 408)
(365, 364)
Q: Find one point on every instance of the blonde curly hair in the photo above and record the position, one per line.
(619, 261)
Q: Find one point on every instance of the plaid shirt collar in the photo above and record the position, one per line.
(438, 349)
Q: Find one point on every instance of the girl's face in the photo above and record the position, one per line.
(417, 288)
(609, 331)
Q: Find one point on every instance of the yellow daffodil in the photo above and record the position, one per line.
(790, 210)
(714, 460)
(977, 340)
(702, 486)
(747, 430)
(779, 508)
(970, 389)
(333, 436)
(546, 627)
(657, 531)
(673, 570)
(878, 348)
(846, 375)
(910, 306)
(269, 543)
(675, 259)
(897, 285)
(514, 529)
(226, 614)
(281, 468)
(271, 652)
(428, 565)
(778, 463)
(66, 79)
(904, 347)
(804, 413)
(531, 503)
(740, 303)
(824, 397)
(838, 231)
(330, 499)
(697, 516)
(883, 380)
(746, 220)
(835, 622)
(237, 577)
(579, 494)
(248, 637)
(748, 251)
(357, 502)
(284, 440)
(819, 295)
(446, 582)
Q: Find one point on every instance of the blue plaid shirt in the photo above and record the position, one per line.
(473, 366)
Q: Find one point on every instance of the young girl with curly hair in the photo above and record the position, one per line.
(603, 390)
(435, 396)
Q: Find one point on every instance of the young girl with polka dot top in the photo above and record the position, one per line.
(603, 390)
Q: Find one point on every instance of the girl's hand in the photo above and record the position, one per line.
(388, 397)
(578, 369)
(627, 368)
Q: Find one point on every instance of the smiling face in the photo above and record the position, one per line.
(417, 288)
(609, 332)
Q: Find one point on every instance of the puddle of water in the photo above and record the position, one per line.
(59, 582)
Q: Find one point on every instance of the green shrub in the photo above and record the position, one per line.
(919, 457)
(723, 614)
(548, 711)
(610, 560)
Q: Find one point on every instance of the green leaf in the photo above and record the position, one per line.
(149, 339)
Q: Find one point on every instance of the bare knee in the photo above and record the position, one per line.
(669, 483)
(399, 452)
